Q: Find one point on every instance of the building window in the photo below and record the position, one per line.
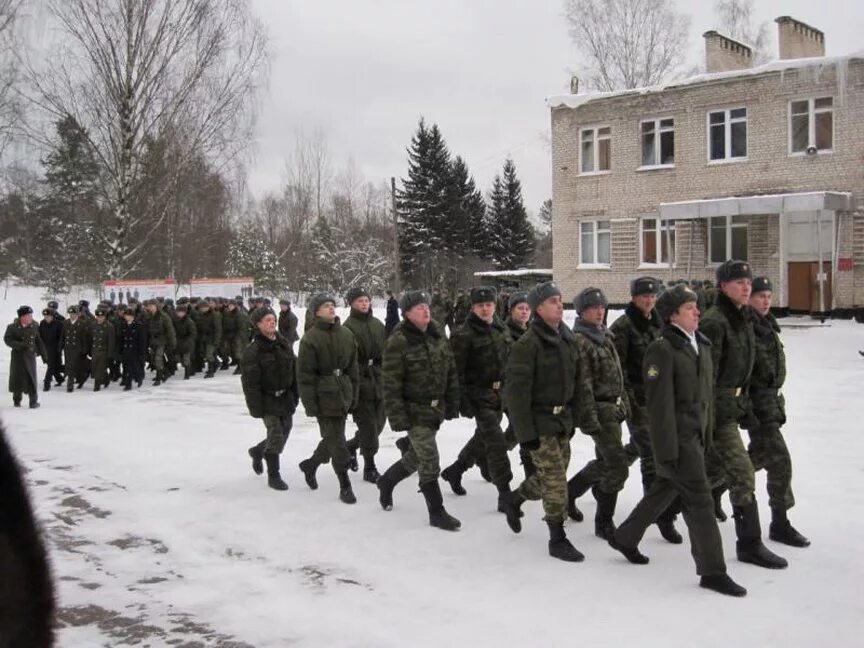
(595, 243)
(727, 238)
(811, 123)
(658, 240)
(596, 150)
(727, 134)
(658, 142)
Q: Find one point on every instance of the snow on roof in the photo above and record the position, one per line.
(519, 272)
(780, 65)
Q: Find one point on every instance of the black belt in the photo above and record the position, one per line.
(616, 400)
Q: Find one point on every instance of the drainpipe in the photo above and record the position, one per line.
(820, 274)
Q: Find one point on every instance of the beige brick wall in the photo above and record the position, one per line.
(626, 194)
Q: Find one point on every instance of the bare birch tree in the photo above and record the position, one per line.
(135, 72)
(736, 20)
(9, 104)
(627, 43)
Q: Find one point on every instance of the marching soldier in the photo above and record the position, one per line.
(767, 447)
(729, 326)
(76, 344)
(287, 321)
(235, 335)
(185, 331)
(51, 333)
(678, 381)
(329, 387)
(421, 390)
(269, 379)
(209, 335)
(392, 318)
(133, 348)
(369, 413)
(22, 336)
(102, 343)
(160, 336)
(541, 396)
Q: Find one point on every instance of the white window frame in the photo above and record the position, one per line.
(596, 231)
(596, 161)
(728, 135)
(659, 224)
(812, 111)
(728, 229)
(657, 147)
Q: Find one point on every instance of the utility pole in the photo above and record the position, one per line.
(397, 287)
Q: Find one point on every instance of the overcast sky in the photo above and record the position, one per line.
(364, 71)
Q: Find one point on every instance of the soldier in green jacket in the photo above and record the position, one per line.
(480, 348)
(421, 390)
(768, 407)
(102, 347)
(22, 336)
(729, 326)
(678, 379)
(369, 414)
(160, 336)
(541, 395)
(603, 407)
(235, 335)
(329, 388)
(186, 332)
(287, 321)
(76, 345)
(209, 335)
(461, 309)
(269, 379)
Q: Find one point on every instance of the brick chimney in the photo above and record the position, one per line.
(798, 40)
(722, 54)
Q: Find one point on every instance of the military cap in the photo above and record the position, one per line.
(267, 302)
(101, 311)
(412, 298)
(589, 297)
(762, 284)
(84, 303)
(72, 309)
(133, 300)
(483, 295)
(182, 300)
(541, 292)
(731, 270)
(129, 310)
(284, 302)
(260, 313)
(24, 310)
(353, 294)
(203, 304)
(169, 301)
(672, 299)
(47, 311)
(516, 299)
(53, 304)
(319, 300)
(644, 286)
(182, 308)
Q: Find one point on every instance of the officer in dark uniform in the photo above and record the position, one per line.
(51, 332)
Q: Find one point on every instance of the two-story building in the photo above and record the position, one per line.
(759, 163)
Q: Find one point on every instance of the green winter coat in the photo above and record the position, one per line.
(769, 372)
(480, 351)
(328, 371)
(369, 335)
(76, 339)
(633, 332)
(26, 344)
(733, 347)
(514, 329)
(160, 330)
(602, 399)
(288, 325)
(269, 377)
(209, 328)
(186, 332)
(235, 322)
(540, 384)
(419, 377)
(102, 340)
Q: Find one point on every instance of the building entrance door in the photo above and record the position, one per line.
(804, 286)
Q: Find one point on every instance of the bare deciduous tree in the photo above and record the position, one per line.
(134, 72)
(9, 104)
(736, 20)
(627, 43)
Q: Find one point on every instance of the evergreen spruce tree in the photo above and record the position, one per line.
(467, 209)
(511, 236)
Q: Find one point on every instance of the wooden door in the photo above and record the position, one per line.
(804, 286)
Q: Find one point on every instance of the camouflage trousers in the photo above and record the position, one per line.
(157, 357)
(728, 462)
(332, 446)
(369, 418)
(233, 347)
(206, 351)
(422, 456)
(278, 429)
(549, 482)
(610, 467)
(768, 450)
(185, 359)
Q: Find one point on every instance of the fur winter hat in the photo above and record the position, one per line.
(24, 310)
(516, 299)
(483, 295)
(644, 286)
(732, 270)
(589, 297)
(319, 300)
(355, 293)
(671, 300)
(762, 284)
(412, 298)
(541, 292)
(260, 313)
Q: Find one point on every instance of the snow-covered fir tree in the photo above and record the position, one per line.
(511, 238)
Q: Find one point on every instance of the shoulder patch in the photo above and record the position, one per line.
(653, 372)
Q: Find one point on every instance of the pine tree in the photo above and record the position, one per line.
(249, 255)
(511, 236)
(467, 209)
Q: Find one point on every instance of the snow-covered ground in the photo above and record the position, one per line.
(160, 533)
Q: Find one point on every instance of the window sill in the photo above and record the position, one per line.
(594, 266)
(584, 174)
(655, 167)
(727, 161)
(656, 266)
(804, 154)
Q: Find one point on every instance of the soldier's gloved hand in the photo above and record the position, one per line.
(534, 444)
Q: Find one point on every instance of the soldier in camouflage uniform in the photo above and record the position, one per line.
(329, 387)
(729, 326)
(707, 296)
(102, 347)
(287, 321)
(421, 390)
(480, 349)
(235, 335)
(209, 335)
(768, 413)
(186, 331)
(541, 396)
(461, 309)
(22, 336)
(369, 414)
(76, 344)
(160, 337)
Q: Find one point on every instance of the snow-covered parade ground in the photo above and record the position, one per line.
(161, 535)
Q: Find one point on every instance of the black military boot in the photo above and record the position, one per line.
(186, 373)
(237, 371)
(403, 443)
(346, 494)
(96, 386)
(223, 366)
(256, 452)
(211, 370)
(274, 479)
(34, 404)
(353, 444)
(666, 525)
(438, 516)
(158, 379)
(717, 494)
(722, 584)
(309, 466)
(514, 511)
(630, 553)
(16, 402)
(452, 474)
(577, 486)
(503, 496)
(604, 527)
(559, 546)
(46, 386)
(749, 547)
(387, 482)
(370, 471)
(127, 386)
(70, 385)
(781, 530)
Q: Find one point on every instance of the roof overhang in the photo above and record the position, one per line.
(771, 204)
